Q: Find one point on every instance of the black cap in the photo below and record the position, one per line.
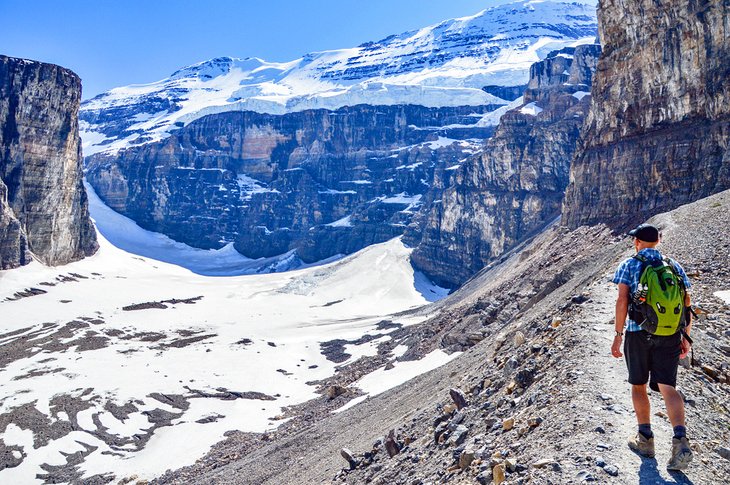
(646, 233)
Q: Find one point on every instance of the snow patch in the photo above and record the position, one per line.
(531, 109)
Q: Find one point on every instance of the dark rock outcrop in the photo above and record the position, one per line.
(43, 205)
(321, 182)
(658, 130)
(516, 185)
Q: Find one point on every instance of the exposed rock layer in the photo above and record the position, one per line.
(321, 182)
(657, 133)
(516, 185)
(43, 205)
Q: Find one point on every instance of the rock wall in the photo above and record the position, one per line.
(43, 205)
(320, 182)
(657, 133)
(516, 185)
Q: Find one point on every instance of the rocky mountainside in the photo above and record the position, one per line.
(43, 205)
(321, 182)
(446, 64)
(536, 397)
(658, 132)
(514, 187)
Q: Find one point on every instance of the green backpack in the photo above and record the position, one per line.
(658, 304)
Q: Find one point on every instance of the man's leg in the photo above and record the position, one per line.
(675, 404)
(642, 407)
(664, 370)
(643, 442)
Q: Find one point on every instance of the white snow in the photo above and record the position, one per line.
(724, 295)
(531, 109)
(344, 222)
(292, 310)
(451, 70)
(441, 142)
(581, 94)
(381, 380)
(249, 186)
(338, 192)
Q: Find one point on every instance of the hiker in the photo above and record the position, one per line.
(652, 346)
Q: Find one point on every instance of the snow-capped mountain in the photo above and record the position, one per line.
(447, 64)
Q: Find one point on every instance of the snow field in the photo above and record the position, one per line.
(284, 315)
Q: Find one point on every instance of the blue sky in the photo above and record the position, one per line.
(114, 43)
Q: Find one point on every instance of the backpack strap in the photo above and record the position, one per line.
(673, 269)
(685, 321)
(633, 311)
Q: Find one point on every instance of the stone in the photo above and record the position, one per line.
(498, 474)
(484, 477)
(438, 433)
(349, 457)
(466, 458)
(535, 421)
(511, 365)
(544, 462)
(456, 420)
(724, 452)
(391, 445)
(600, 462)
(335, 391)
(586, 476)
(510, 464)
(611, 470)
(457, 395)
(458, 435)
(519, 339)
(508, 424)
(600, 429)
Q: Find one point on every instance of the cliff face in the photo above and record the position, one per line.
(43, 206)
(516, 185)
(321, 182)
(657, 133)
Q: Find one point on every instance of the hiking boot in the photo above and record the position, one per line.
(642, 445)
(681, 454)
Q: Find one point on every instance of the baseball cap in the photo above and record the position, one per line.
(645, 232)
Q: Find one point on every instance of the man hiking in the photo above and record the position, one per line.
(653, 351)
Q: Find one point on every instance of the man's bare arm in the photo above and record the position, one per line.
(622, 309)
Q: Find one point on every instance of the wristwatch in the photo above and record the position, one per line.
(619, 334)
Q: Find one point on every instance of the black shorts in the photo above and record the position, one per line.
(653, 355)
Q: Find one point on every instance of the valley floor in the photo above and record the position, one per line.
(111, 365)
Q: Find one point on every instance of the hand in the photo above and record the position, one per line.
(616, 347)
(684, 347)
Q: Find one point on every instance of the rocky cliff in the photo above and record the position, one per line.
(515, 186)
(658, 130)
(321, 182)
(43, 206)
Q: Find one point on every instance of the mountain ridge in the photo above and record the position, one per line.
(445, 64)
